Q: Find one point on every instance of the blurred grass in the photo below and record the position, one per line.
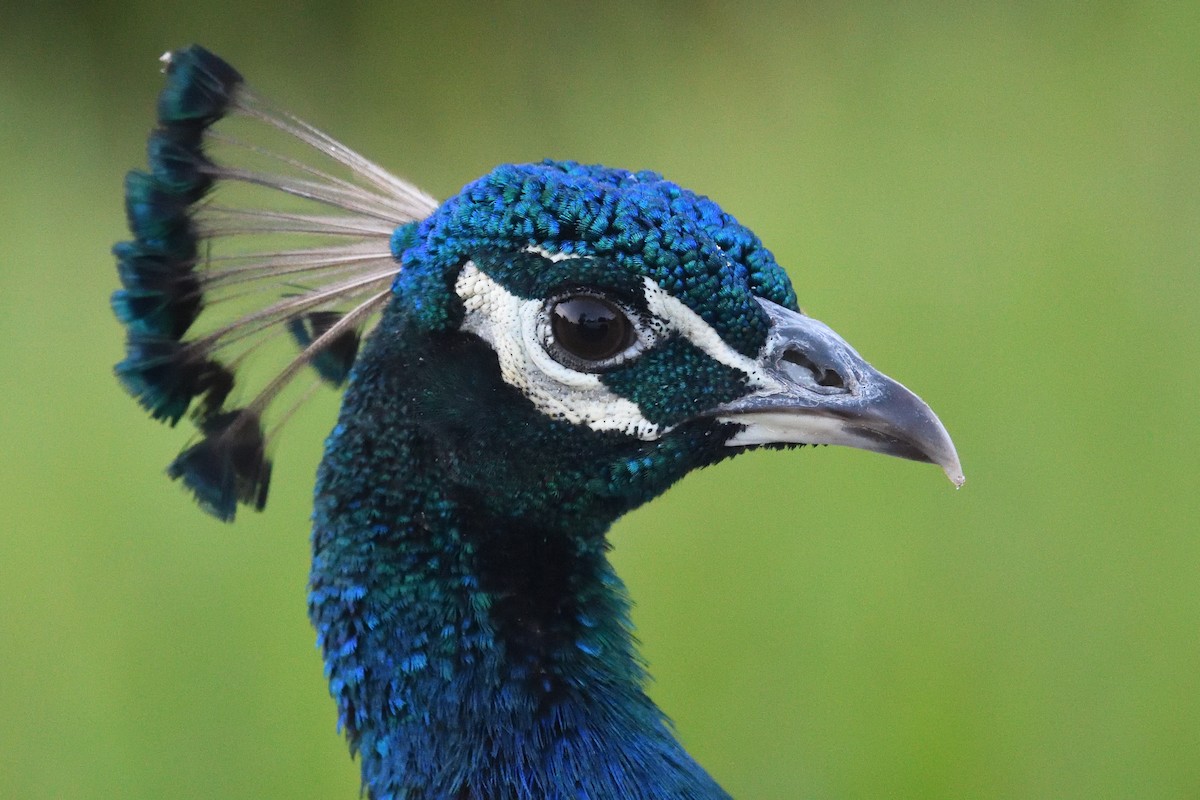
(998, 205)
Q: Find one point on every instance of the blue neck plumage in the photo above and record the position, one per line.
(473, 652)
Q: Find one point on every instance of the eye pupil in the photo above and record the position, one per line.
(590, 328)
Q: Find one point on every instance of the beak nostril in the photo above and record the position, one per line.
(823, 376)
(832, 378)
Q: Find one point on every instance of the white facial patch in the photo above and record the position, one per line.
(510, 325)
(515, 328)
(549, 256)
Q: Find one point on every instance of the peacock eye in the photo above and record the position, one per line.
(588, 331)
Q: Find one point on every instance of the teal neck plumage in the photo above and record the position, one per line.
(477, 640)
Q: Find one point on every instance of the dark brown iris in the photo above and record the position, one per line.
(590, 328)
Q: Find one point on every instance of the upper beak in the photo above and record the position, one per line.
(826, 393)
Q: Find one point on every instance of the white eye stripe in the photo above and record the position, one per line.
(686, 322)
(669, 312)
(511, 326)
(544, 253)
(517, 329)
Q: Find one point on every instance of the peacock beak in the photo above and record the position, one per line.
(821, 391)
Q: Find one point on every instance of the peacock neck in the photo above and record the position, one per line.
(473, 653)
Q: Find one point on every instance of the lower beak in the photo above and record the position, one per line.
(820, 391)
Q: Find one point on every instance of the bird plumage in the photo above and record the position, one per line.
(555, 345)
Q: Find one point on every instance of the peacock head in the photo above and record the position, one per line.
(604, 331)
(633, 331)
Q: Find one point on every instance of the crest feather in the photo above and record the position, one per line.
(191, 257)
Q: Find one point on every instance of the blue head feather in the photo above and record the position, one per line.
(644, 224)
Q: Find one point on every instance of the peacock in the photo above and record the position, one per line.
(521, 364)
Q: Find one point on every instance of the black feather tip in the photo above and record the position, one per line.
(333, 363)
(165, 375)
(200, 88)
(178, 163)
(228, 466)
(162, 296)
(158, 217)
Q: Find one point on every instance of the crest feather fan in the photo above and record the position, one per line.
(192, 255)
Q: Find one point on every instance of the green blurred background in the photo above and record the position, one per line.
(999, 205)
